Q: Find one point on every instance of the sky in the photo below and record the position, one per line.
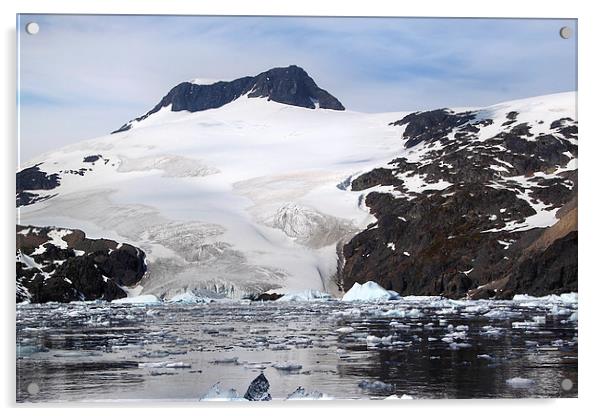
(83, 76)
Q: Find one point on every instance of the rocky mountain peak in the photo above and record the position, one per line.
(290, 85)
(293, 86)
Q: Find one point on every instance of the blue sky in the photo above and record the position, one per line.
(84, 76)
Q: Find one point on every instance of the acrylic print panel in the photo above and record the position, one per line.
(277, 208)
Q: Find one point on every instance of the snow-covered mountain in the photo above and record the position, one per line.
(290, 85)
(481, 201)
(258, 184)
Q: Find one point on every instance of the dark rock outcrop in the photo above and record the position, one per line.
(290, 85)
(92, 158)
(34, 179)
(465, 225)
(30, 181)
(293, 86)
(431, 125)
(62, 265)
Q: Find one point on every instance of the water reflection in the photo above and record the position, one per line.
(423, 348)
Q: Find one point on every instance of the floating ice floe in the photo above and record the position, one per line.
(525, 324)
(520, 383)
(369, 292)
(491, 331)
(374, 341)
(287, 366)
(345, 330)
(398, 325)
(402, 313)
(559, 310)
(305, 296)
(502, 314)
(255, 366)
(142, 299)
(459, 345)
(566, 298)
(165, 364)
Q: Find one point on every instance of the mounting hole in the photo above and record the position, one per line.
(32, 28)
(33, 388)
(566, 384)
(566, 32)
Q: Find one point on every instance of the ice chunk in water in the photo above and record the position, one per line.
(215, 393)
(459, 345)
(302, 394)
(520, 383)
(287, 366)
(368, 292)
(372, 340)
(501, 314)
(164, 364)
(376, 386)
(258, 390)
(345, 330)
(401, 313)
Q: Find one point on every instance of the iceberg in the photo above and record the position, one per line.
(258, 390)
(215, 393)
(369, 292)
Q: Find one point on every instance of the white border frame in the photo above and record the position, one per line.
(590, 177)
